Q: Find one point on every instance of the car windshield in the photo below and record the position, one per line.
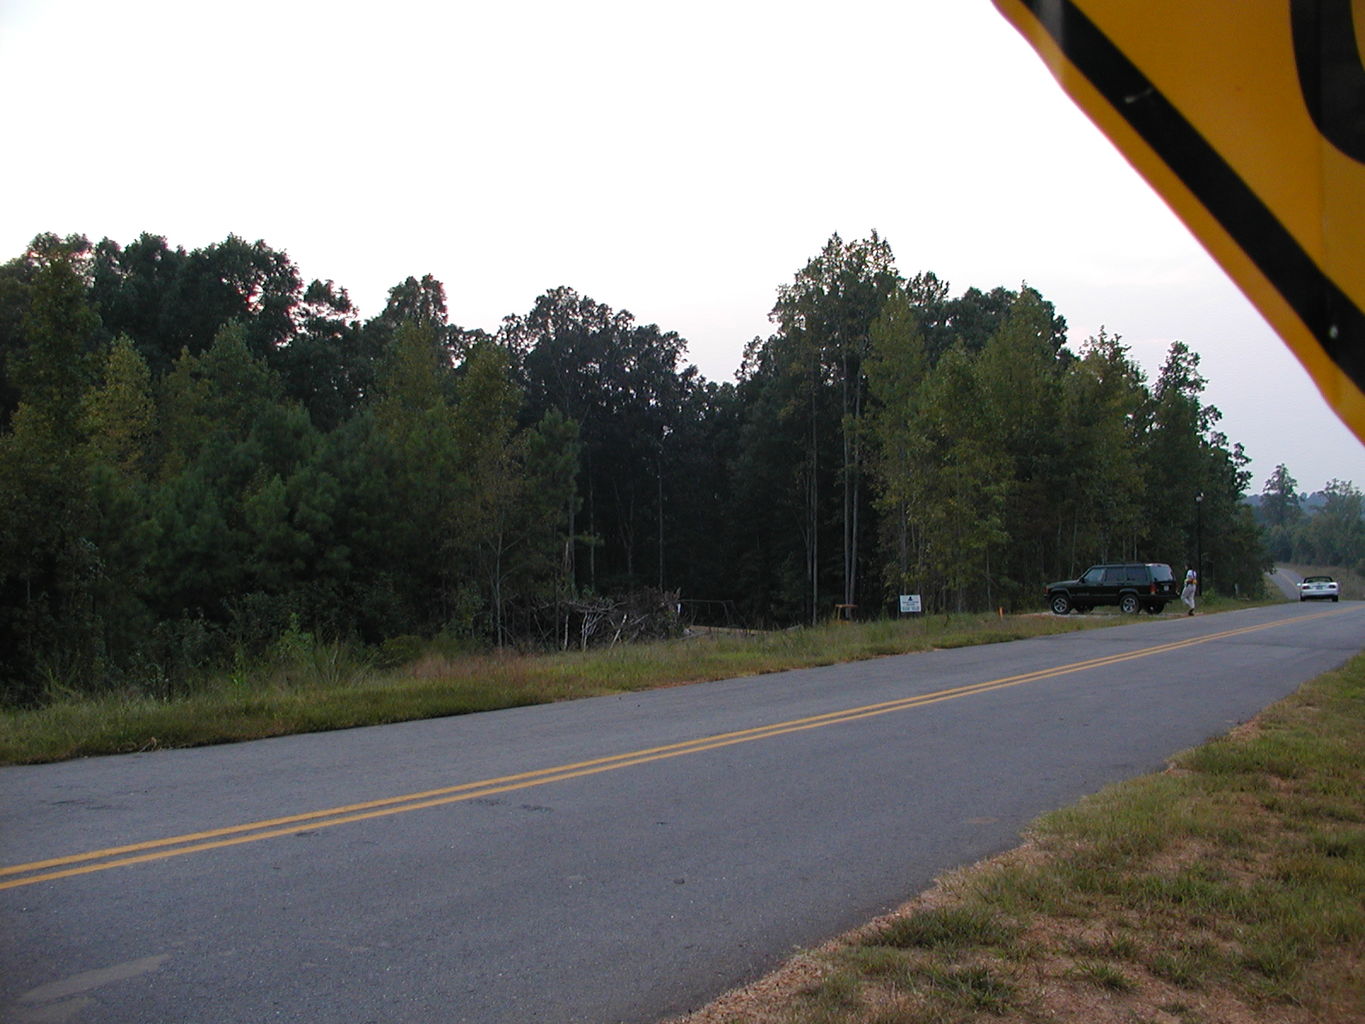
(1317, 579)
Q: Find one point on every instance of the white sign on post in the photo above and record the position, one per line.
(910, 604)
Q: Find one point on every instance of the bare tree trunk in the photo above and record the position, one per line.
(659, 466)
(812, 496)
(903, 545)
(498, 632)
(847, 478)
(592, 530)
(625, 528)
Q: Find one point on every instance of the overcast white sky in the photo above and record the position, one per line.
(680, 161)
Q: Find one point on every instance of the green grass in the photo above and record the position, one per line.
(1102, 974)
(945, 928)
(1227, 887)
(316, 686)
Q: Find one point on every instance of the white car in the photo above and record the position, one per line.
(1319, 588)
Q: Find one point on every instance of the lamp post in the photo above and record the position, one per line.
(1199, 543)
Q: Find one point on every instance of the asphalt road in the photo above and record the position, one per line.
(617, 859)
(1287, 580)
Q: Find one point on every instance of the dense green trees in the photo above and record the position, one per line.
(807, 389)
(625, 386)
(998, 459)
(1324, 528)
(199, 452)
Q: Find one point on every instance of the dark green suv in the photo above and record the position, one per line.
(1130, 585)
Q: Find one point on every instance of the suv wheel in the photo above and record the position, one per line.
(1060, 604)
(1128, 604)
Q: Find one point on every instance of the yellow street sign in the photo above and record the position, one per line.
(1248, 116)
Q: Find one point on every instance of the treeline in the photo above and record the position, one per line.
(200, 454)
(1323, 528)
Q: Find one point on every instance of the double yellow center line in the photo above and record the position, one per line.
(235, 835)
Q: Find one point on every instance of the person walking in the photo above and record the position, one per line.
(1191, 587)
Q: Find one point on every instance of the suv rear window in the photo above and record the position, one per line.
(1161, 573)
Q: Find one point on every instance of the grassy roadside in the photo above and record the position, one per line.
(321, 686)
(316, 686)
(1229, 889)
